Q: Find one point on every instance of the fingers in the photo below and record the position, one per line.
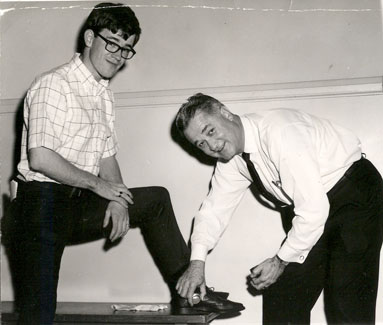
(126, 197)
(182, 286)
(112, 235)
(202, 289)
(107, 218)
(129, 194)
(190, 293)
(122, 195)
(119, 229)
(257, 277)
(126, 225)
(120, 221)
(264, 275)
(121, 201)
(122, 191)
(186, 288)
(255, 272)
(192, 278)
(260, 284)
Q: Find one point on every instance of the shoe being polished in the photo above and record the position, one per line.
(214, 301)
(180, 302)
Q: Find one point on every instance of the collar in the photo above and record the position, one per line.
(250, 128)
(85, 76)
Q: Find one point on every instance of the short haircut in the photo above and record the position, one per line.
(195, 103)
(115, 17)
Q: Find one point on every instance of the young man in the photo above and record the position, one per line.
(318, 170)
(70, 187)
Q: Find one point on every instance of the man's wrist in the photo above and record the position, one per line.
(198, 263)
(281, 261)
(117, 204)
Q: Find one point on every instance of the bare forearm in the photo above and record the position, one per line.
(110, 170)
(54, 166)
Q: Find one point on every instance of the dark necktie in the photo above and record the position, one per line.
(258, 183)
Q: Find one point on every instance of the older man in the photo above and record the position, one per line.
(315, 168)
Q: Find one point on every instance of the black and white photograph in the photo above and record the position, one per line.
(191, 162)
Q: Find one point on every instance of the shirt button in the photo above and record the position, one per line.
(301, 257)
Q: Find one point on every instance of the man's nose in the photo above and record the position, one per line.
(212, 144)
(117, 55)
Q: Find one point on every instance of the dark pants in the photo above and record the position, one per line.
(51, 216)
(344, 262)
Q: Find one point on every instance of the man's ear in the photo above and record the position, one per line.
(226, 113)
(88, 37)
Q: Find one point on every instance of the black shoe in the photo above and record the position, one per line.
(179, 302)
(221, 294)
(213, 302)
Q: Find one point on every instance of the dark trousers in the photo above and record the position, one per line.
(51, 216)
(344, 262)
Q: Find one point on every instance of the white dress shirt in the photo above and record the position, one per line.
(299, 158)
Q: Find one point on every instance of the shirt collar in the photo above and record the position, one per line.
(250, 131)
(85, 76)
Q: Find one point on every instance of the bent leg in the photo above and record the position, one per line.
(153, 213)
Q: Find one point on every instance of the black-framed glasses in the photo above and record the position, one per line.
(112, 47)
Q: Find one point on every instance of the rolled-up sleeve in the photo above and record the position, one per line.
(111, 146)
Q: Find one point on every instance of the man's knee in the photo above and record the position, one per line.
(161, 193)
(160, 199)
(154, 206)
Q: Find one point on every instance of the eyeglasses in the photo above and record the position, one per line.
(113, 48)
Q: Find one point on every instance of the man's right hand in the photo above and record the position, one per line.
(113, 192)
(192, 278)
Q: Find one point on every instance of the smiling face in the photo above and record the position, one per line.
(218, 134)
(101, 63)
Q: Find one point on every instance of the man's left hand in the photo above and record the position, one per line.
(266, 273)
(120, 220)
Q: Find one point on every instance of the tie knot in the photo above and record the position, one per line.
(246, 156)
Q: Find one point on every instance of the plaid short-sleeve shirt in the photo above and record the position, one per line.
(66, 110)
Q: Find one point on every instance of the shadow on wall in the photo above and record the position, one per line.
(9, 225)
(9, 241)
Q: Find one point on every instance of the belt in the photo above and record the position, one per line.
(66, 190)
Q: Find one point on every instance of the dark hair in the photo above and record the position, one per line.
(195, 103)
(113, 16)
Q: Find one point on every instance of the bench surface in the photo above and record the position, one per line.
(102, 313)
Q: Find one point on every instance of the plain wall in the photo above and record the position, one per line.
(188, 44)
(182, 47)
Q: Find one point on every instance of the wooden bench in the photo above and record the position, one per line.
(86, 313)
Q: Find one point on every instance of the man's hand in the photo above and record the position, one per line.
(266, 273)
(113, 192)
(120, 220)
(192, 278)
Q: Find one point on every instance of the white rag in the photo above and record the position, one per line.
(145, 307)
